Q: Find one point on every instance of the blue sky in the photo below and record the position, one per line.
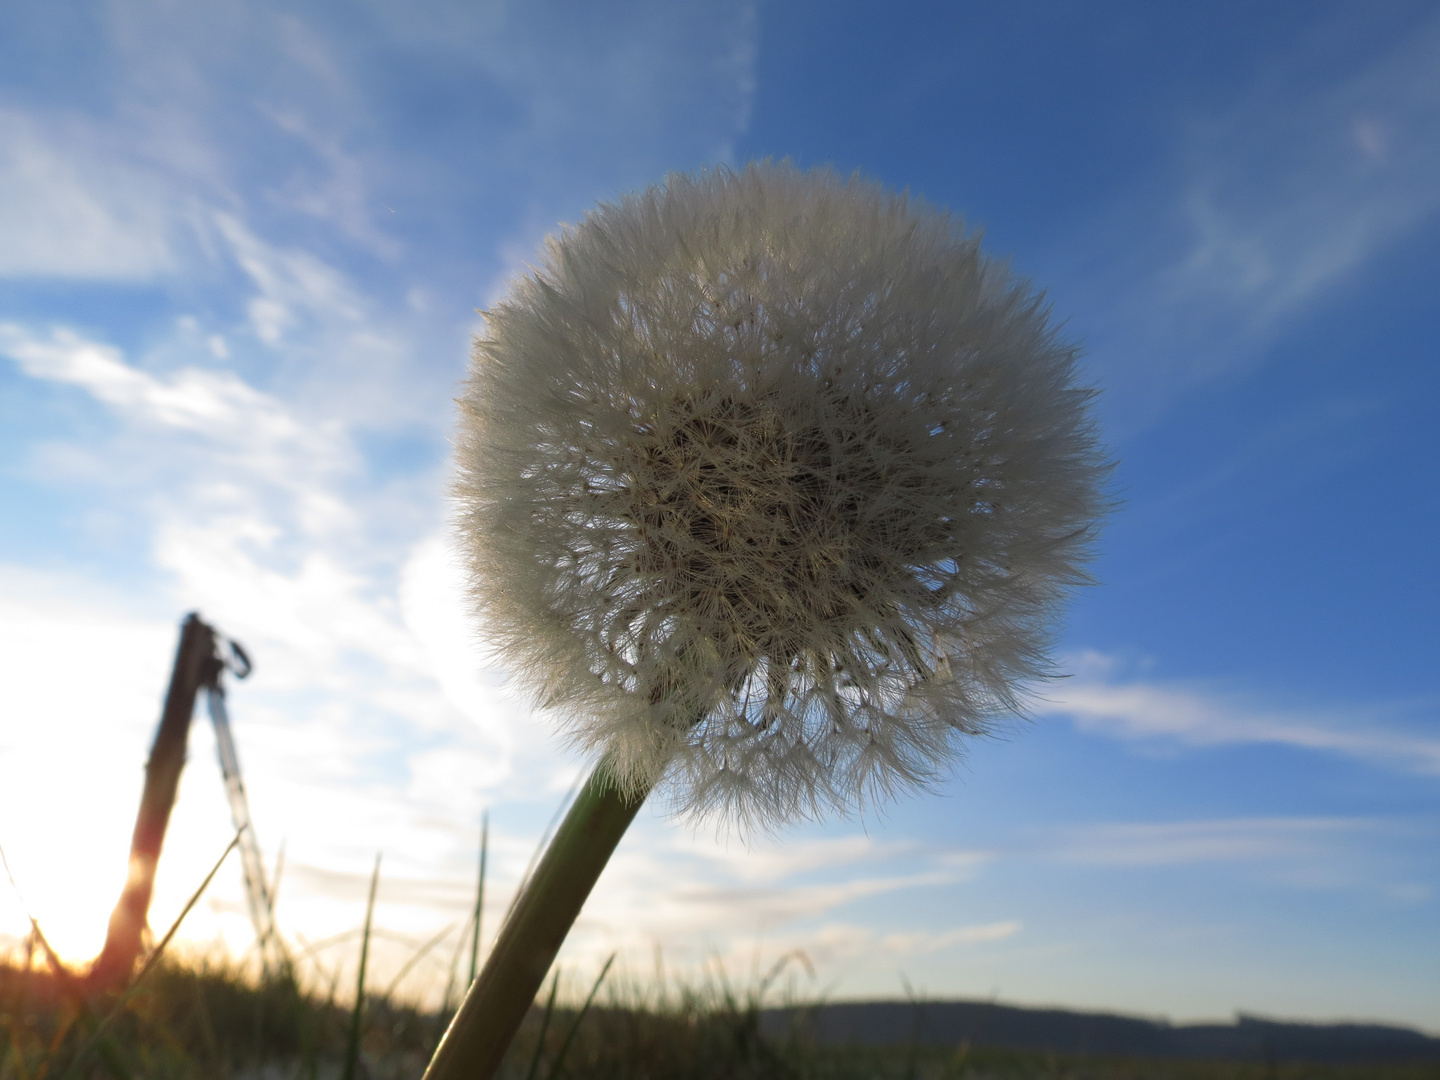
(241, 245)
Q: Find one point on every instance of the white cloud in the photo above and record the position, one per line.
(1289, 194)
(1274, 203)
(1194, 717)
(683, 897)
(700, 911)
(839, 941)
(1228, 840)
(236, 443)
(216, 404)
(240, 138)
(71, 208)
(338, 193)
(363, 727)
(229, 452)
(921, 942)
(1355, 854)
(290, 283)
(770, 859)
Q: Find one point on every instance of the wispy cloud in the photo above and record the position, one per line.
(215, 404)
(266, 164)
(1270, 205)
(771, 859)
(273, 219)
(949, 939)
(1289, 194)
(254, 518)
(1191, 716)
(1356, 854)
(835, 941)
(70, 207)
(1228, 840)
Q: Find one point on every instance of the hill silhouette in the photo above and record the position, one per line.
(978, 1023)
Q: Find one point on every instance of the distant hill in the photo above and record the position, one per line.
(879, 1023)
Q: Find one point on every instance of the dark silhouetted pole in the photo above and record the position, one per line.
(195, 662)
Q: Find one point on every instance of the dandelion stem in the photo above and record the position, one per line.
(487, 1020)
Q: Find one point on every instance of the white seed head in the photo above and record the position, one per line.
(772, 487)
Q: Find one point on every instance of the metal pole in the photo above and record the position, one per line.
(273, 960)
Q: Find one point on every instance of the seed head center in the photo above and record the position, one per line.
(749, 521)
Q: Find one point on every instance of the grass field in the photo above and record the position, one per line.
(207, 1020)
(188, 1018)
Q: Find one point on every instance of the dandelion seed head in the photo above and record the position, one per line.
(772, 487)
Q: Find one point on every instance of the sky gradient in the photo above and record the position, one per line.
(241, 249)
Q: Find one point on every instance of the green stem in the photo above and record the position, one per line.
(357, 1015)
(478, 1037)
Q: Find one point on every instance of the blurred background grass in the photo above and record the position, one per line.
(209, 1018)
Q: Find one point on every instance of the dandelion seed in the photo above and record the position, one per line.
(772, 486)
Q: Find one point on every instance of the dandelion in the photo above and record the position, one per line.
(772, 486)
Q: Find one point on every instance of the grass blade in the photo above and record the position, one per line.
(479, 896)
(544, 1027)
(419, 955)
(544, 843)
(159, 950)
(275, 881)
(447, 1003)
(575, 1026)
(352, 1044)
(150, 962)
(662, 1000)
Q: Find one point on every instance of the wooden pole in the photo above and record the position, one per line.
(195, 662)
